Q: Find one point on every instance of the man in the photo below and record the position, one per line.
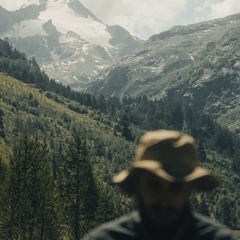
(165, 172)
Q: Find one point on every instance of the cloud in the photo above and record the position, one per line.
(144, 18)
(147, 17)
(141, 18)
(225, 8)
(218, 9)
(12, 5)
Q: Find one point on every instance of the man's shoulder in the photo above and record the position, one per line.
(209, 228)
(122, 228)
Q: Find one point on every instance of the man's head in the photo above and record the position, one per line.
(160, 200)
(165, 171)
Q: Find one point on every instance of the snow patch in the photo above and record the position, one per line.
(85, 48)
(191, 57)
(81, 59)
(65, 20)
(75, 78)
(237, 64)
(101, 66)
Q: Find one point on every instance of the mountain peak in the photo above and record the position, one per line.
(68, 41)
(80, 9)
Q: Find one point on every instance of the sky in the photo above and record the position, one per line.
(144, 18)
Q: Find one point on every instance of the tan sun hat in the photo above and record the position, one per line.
(172, 156)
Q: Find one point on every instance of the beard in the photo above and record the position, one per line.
(159, 215)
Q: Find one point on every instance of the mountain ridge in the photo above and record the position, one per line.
(198, 63)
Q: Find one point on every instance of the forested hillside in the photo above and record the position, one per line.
(60, 148)
(198, 63)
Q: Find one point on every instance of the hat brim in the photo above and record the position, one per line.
(201, 178)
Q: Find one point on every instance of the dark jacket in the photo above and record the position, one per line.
(193, 226)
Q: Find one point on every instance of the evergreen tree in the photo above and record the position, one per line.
(202, 151)
(106, 207)
(125, 123)
(81, 193)
(2, 134)
(101, 101)
(224, 211)
(4, 173)
(31, 211)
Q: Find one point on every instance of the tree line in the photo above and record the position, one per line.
(44, 196)
(46, 177)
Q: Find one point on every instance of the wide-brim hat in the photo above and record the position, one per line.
(170, 155)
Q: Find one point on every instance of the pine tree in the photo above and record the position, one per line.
(31, 210)
(80, 191)
(106, 207)
(4, 173)
(2, 134)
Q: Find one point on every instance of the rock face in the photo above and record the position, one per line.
(198, 63)
(67, 40)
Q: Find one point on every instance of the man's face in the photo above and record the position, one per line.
(162, 201)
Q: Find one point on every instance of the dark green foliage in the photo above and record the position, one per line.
(222, 212)
(125, 131)
(106, 210)
(2, 134)
(80, 192)
(30, 213)
(4, 175)
(7, 51)
(54, 176)
(236, 160)
(101, 104)
(15, 64)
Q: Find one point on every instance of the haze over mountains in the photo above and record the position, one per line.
(67, 40)
(198, 63)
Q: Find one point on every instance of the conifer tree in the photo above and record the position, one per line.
(4, 173)
(31, 212)
(81, 194)
(2, 134)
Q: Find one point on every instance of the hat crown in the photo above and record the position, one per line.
(170, 155)
(175, 151)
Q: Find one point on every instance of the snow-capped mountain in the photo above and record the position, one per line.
(67, 40)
